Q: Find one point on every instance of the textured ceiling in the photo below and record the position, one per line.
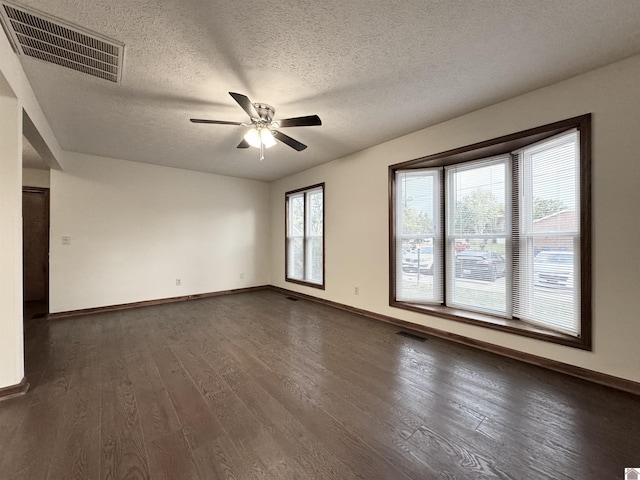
(372, 70)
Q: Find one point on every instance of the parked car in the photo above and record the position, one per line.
(553, 269)
(461, 245)
(420, 260)
(480, 264)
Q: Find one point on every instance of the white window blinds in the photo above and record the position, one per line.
(548, 249)
(418, 246)
(479, 235)
(499, 235)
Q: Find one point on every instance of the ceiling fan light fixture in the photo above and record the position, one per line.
(253, 138)
(257, 137)
(267, 138)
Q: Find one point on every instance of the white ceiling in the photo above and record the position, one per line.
(372, 70)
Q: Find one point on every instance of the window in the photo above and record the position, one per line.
(498, 233)
(305, 236)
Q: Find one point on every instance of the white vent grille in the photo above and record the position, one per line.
(56, 41)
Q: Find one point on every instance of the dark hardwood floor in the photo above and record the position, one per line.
(256, 386)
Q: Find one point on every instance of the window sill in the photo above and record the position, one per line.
(517, 327)
(319, 286)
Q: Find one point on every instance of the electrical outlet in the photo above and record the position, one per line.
(178, 282)
(66, 240)
(356, 290)
(241, 275)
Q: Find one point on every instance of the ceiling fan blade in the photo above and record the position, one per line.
(308, 121)
(243, 144)
(246, 104)
(220, 122)
(293, 143)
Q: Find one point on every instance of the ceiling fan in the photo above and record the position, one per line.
(262, 133)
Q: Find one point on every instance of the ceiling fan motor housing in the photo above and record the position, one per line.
(265, 111)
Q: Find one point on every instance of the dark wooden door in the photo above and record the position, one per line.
(35, 238)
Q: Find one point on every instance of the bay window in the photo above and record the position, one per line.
(498, 233)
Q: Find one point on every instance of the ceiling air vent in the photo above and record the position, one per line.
(53, 40)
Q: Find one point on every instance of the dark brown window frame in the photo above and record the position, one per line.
(320, 286)
(498, 146)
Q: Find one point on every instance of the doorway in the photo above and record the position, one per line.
(35, 241)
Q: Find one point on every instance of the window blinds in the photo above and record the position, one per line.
(499, 235)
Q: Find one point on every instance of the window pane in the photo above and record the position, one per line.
(315, 200)
(477, 254)
(480, 277)
(419, 244)
(479, 198)
(295, 262)
(548, 257)
(296, 215)
(417, 204)
(314, 236)
(314, 260)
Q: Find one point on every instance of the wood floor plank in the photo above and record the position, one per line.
(548, 436)
(12, 414)
(255, 386)
(29, 452)
(77, 449)
(204, 376)
(207, 344)
(348, 447)
(302, 369)
(548, 452)
(62, 347)
(367, 377)
(170, 458)
(254, 438)
(36, 346)
(409, 419)
(220, 459)
(287, 430)
(123, 451)
(198, 423)
(232, 413)
(157, 414)
(441, 451)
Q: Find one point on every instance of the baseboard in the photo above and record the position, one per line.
(148, 303)
(579, 372)
(14, 390)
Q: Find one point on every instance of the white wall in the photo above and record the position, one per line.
(135, 228)
(35, 178)
(20, 105)
(11, 344)
(356, 203)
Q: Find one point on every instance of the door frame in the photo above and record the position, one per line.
(45, 191)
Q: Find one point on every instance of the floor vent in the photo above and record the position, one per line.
(411, 335)
(53, 40)
(293, 299)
